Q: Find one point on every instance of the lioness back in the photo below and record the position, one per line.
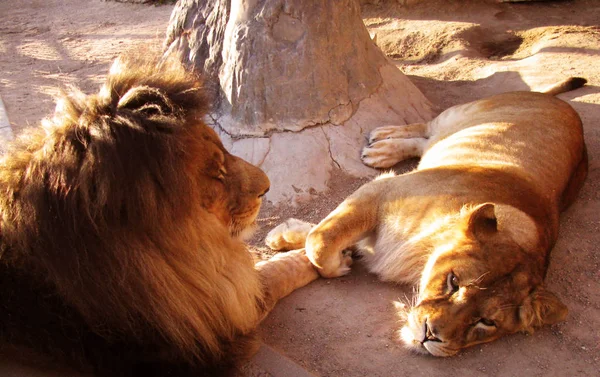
(533, 135)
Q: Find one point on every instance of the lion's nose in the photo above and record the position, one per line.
(264, 192)
(429, 334)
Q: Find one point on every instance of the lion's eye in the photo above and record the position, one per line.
(452, 283)
(222, 173)
(487, 322)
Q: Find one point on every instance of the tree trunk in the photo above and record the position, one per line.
(297, 84)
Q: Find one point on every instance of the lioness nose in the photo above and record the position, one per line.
(430, 334)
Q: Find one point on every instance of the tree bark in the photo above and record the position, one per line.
(276, 67)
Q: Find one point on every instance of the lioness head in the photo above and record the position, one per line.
(476, 288)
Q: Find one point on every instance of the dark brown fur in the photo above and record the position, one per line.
(116, 249)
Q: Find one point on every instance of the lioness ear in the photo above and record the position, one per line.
(541, 307)
(482, 221)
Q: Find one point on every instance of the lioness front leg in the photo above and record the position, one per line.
(342, 228)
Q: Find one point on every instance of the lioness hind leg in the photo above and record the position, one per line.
(283, 274)
(289, 235)
(388, 152)
(399, 132)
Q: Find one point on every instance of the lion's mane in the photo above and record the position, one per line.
(108, 257)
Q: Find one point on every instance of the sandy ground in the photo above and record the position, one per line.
(454, 51)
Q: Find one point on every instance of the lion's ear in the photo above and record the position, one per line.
(540, 308)
(482, 221)
(146, 100)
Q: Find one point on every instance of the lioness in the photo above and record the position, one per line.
(120, 228)
(472, 225)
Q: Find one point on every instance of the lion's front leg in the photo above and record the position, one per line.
(286, 272)
(342, 228)
(283, 274)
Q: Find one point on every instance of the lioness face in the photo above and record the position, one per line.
(463, 304)
(235, 187)
(476, 289)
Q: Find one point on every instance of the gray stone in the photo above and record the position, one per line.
(296, 84)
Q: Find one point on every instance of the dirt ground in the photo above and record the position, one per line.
(454, 51)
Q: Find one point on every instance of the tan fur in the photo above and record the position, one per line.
(288, 235)
(483, 205)
(119, 224)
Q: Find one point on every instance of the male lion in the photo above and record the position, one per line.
(119, 234)
(472, 225)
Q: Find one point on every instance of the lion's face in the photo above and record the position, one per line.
(231, 188)
(476, 289)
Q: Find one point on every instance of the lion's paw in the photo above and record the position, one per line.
(289, 235)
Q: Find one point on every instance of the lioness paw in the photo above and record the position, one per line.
(386, 153)
(289, 235)
(379, 155)
(329, 263)
(346, 262)
(414, 130)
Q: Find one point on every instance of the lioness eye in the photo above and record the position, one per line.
(452, 283)
(487, 322)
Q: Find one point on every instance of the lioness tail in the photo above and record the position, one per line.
(566, 85)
